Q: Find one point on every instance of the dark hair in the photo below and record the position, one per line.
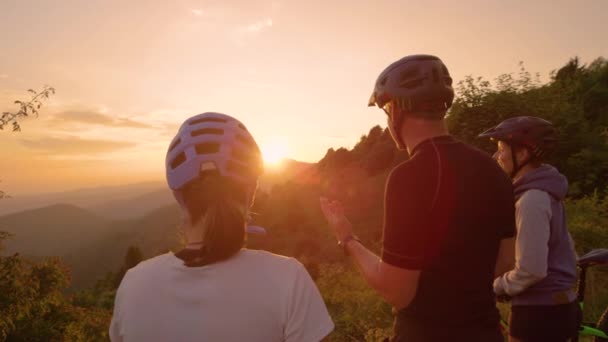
(219, 206)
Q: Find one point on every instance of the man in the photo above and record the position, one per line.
(448, 211)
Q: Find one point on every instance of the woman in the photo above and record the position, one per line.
(214, 289)
(543, 306)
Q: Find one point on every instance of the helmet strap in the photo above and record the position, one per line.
(516, 166)
(396, 121)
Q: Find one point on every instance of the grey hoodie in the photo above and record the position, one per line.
(545, 260)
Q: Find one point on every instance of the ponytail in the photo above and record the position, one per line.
(218, 208)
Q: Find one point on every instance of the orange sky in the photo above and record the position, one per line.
(297, 73)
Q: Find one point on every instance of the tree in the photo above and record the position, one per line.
(133, 257)
(33, 308)
(26, 108)
(575, 100)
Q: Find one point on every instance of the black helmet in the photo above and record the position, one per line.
(417, 83)
(537, 134)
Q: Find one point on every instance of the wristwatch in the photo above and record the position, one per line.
(346, 240)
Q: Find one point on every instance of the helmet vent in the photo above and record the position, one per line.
(411, 83)
(240, 154)
(207, 148)
(198, 121)
(245, 140)
(238, 169)
(383, 82)
(174, 145)
(409, 74)
(208, 166)
(242, 127)
(409, 79)
(177, 161)
(217, 131)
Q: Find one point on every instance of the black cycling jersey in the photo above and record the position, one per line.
(446, 210)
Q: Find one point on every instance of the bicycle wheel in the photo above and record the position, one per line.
(602, 324)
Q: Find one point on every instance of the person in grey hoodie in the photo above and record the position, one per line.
(543, 306)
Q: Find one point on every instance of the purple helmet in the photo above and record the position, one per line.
(417, 82)
(537, 134)
(213, 142)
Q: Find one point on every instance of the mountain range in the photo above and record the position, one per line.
(91, 229)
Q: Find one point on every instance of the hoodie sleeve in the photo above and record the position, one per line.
(533, 217)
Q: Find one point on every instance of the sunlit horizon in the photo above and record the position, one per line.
(274, 154)
(298, 74)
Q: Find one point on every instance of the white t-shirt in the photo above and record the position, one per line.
(253, 296)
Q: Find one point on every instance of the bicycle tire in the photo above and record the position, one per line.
(602, 324)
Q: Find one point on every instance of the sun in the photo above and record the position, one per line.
(274, 154)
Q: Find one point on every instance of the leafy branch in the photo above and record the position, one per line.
(26, 108)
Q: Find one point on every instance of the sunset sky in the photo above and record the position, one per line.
(297, 73)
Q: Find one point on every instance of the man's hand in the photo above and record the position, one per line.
(334, 213)
(396, 285)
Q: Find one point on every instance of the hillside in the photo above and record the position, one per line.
(289, 169)
(153, 233)
(51, 231)
(84, 198)
(92, 240)
(134, 206)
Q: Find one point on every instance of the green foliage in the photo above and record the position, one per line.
(374, 153)
(101, 296)
(3, 236)
(357, 311)
(33, 308)
(588, 224)
(575, 100)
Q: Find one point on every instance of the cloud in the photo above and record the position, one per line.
(75, 145)
(3, 76)
(197, 12)
(259, 26)
(242, 35)
(170, 129)
(94, 118)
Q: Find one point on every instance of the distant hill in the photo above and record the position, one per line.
(84, 198)
(93, 236)
(51, 230)
(135, 200)
(134, 207)
(153, 233)
(289, 170)
(88, 244)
